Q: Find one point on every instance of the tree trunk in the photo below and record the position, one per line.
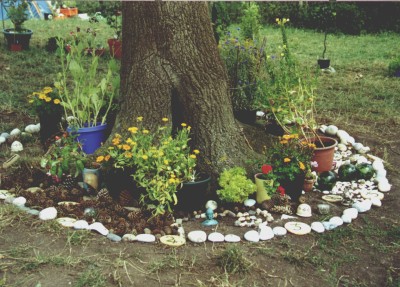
(171, 68)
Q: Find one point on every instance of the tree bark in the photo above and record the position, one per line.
(171, 68)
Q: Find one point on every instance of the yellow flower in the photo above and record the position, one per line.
(47, 90)
(145, 131)
(100, 158)
(302, 166)
(119, 146)
(166, 162)
(126, 147)
(47, 99)
(145, 157)
(139, 119)
(283, 141)
(128, 154)
(115, 141)
(42, 96)
(165, 119)
(56, 101)
(311, 145)
(277, 19)
(183, 124)
(192, 156)
(133, 130)
(282, 54)
(107, 157)
(196, 151)
(189, 128)
(160, 153)
(286, 159)
(171, 180)
(286, 137)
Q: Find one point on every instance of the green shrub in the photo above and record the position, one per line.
(250, 21)
(236, 187)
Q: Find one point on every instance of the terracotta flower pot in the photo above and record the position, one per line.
(323, 154)
(308, 185)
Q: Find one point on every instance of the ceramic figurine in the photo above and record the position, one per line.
(210, 221)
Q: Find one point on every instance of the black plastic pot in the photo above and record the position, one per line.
(49, 126)
(245, 116)
(22, 38)
(324, 63)
(193, 195)
(294, 188)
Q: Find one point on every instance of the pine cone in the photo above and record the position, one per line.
(103, 194)
(126, 198)
(70, 182)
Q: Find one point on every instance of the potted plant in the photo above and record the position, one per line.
(112, 11)
(243, 62)
(88, 101)
(266, 183)
(160, 162)
(18, 38)
(64, 158)
(394, 67)
(290, 158)
(309, 181)
(326, 17)
(235, 186)
(47, 105)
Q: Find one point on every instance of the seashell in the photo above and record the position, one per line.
(16, 146)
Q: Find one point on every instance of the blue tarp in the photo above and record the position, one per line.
(36, 9)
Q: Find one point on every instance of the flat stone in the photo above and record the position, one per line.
(128, 238)
(66, 221)
(252, 236)
(114, 237)
(34, 189)
(384, 186)
(336, 220)
(318, 227)
(99, 227)
(48, 213)
(346, 218)
(148, 238)
(19, 201)
(328, 226)
(376, 202)
(249, 202)
(81, 225)
(33, 211)
(266, 233)
(362, 206)
(197, 236)
(232, 238)
(216, 237)
(279, 231)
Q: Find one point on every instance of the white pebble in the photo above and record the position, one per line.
(279, 231)
(216, 237)
(148, 238)
(252, 236)
(19, 201)
(81, 225)
(266, 233)
(317, 227)
(197, 236)
(15, 132)
(17, 146)
(99, 227)
(232, 238)
(48, 213)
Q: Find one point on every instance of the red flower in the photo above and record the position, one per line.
(281, 190)
(266, 169)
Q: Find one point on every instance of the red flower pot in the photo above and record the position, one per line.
(115, 48)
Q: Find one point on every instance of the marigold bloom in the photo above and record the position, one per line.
(107, 157)
(128, 154)
(166, 162)
(145, 157)
(283, 141)
(126, 147)
(286, 137)
(286, 159)
(196, 151)
(57, 101)
(302, 166)
(146, 131)
(171, 180)
(100, 158)
(165, 119)
(183, 124)
(47, 90)
(115, 141)
(42, 96)
(192, 156)
(133, 130)
(48, 99)
(139, 119)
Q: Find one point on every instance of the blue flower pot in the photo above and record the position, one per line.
(90, 138)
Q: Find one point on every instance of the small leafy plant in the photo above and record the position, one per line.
(235, 186)
(17, 12)
(64, 157)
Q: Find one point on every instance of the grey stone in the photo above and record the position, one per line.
(114, 237)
